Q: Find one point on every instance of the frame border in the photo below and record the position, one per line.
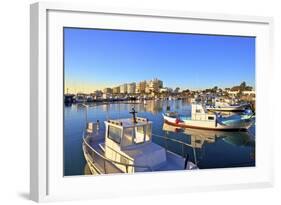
(39, 187)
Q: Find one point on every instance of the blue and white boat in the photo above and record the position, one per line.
(201, 118)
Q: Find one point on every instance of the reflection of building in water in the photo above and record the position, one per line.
(105, 108)
(154, 106)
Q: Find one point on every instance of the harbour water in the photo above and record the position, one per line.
(208, 149)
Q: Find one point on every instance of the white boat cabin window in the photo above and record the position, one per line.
(148, 133)
(136, 135)
(127, 137)
(114, 133)
(198, 110)
(139, 135)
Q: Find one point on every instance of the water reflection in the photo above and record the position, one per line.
(199, 136)
(210, 149)
(206, 145)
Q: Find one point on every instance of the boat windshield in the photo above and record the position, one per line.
(139, 135)
(148, 132)
(136, 135)
(127, 137)
(114, 133)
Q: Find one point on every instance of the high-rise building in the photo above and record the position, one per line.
(154, 85)
(123, 88)
(116, 90)
(107, 90)
(140, 87)
(131, 88)
(97, 93)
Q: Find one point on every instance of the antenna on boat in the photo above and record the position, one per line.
(133, 112)
(186, 161)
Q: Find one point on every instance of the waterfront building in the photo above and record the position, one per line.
(140, 87)
(116, 90)
(131, 88)
(165, 90)
(96, 94)
(154, 86)
(233, 92)
(107, 90)
(248, 92)
(106, 96)
(147, 87)
(123, 88)
(177, 90)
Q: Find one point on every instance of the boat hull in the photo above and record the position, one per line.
(227, 109)
(206, 125)
(206, 128)
(237, 108)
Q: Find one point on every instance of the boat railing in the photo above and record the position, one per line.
(103, 165)
(181, 143)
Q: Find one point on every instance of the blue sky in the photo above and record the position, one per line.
(95, 59)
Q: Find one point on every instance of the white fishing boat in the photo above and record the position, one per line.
(89, 98)
(126, 147)
(221, 105)
(201, 118)
(79, 99)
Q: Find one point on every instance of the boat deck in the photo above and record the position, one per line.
(104, 166)
(174, 162)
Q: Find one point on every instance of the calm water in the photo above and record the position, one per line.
(209, 149)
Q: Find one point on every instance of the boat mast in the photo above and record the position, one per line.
(133, 112)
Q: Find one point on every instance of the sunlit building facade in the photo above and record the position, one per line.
(123, 88)
(131, 88)
(116, 90)
(140, 87)
(107, 90)
(153, 86)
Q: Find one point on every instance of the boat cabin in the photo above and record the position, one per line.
(130, 141)
(198, 112)
(125, 134)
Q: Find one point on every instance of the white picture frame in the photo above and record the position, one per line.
(47, 182)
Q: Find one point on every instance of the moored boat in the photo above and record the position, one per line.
(79, 99)
(126, 147)
(220, 105)
(201, 118)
